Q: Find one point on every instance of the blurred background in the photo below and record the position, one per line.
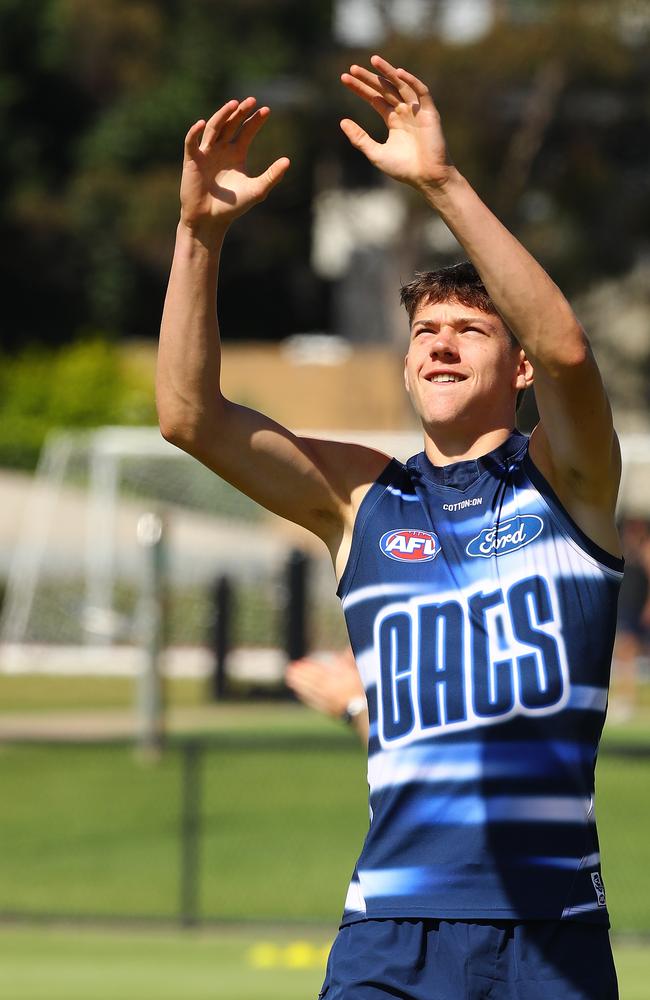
(175, 822)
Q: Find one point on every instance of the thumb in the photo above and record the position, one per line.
(359, 139)
(272, 176)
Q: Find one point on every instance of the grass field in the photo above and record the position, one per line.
(280, 828)
(42, 964)
(89, 832)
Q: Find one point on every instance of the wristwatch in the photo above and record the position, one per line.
(354, 707)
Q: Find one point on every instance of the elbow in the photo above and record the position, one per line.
(189, 426)
(178, 425)
(171, 421)
(572, 359)
(577, 350)
(570, 352)
(175, 432)
(192, 432)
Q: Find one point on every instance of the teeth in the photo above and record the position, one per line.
(446, 378)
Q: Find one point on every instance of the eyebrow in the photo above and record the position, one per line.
(460, 321)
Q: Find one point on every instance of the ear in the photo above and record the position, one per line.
(406, 374)
(524, 375)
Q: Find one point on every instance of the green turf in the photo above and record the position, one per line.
(89, 830)
(40, 964)
(623, 816)
(89, 965)
(282, 825)
(34, 693)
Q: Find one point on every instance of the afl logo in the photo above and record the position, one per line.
(410, 545)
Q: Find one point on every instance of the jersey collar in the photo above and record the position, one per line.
(461, 475)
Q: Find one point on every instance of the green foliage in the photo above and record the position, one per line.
(95, 99)
(85, 384)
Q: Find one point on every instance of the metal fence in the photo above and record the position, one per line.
(235, 829)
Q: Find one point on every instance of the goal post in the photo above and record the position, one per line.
(77, 581)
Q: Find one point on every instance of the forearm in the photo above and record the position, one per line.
(528, 300)
(189, 355)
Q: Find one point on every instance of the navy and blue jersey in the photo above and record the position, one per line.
(482, 620)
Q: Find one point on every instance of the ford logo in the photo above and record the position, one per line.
(506, 536)
(410, 545)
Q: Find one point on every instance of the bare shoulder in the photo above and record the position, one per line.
(591, 507)
(357, 466)
(353, 468)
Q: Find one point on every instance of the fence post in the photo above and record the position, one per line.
(191, 809)
(296, 628)
(222, 613)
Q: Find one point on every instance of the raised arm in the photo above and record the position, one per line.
(574, 445)
(314, 483)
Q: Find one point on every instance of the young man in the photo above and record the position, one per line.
(479, 581)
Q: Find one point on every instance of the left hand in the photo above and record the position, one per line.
(415, 151)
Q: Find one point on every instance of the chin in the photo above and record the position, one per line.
(447, 417)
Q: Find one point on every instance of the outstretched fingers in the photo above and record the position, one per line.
(419, 88)
(368, 94)
(236, 119)
(378, 103)
(215, 124)
(410, 88)
(251, 127)
(373, 84)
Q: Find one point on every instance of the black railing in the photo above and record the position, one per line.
(252, 827)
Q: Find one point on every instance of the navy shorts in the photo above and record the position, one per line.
(414, 959)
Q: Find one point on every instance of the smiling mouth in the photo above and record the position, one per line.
(446, 377)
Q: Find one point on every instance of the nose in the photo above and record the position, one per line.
(444, 344)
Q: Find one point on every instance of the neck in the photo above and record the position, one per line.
(456, 446)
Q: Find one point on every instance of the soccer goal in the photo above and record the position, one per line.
(77, 598)
(75, 586)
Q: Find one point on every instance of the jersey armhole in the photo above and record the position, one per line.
(372, 497)
(565, 520)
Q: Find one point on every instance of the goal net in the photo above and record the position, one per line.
(75, 598)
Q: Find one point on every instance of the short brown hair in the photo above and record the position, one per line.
(457, 283)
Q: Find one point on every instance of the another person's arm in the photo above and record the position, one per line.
(574, 444)
(333, 688)
(315, 483)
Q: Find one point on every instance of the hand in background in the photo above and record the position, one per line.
(330, 687)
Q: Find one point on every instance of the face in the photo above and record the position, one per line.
(462, 367)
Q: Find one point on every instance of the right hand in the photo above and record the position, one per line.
(215, 187)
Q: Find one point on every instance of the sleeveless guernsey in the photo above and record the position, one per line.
(482, 621)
